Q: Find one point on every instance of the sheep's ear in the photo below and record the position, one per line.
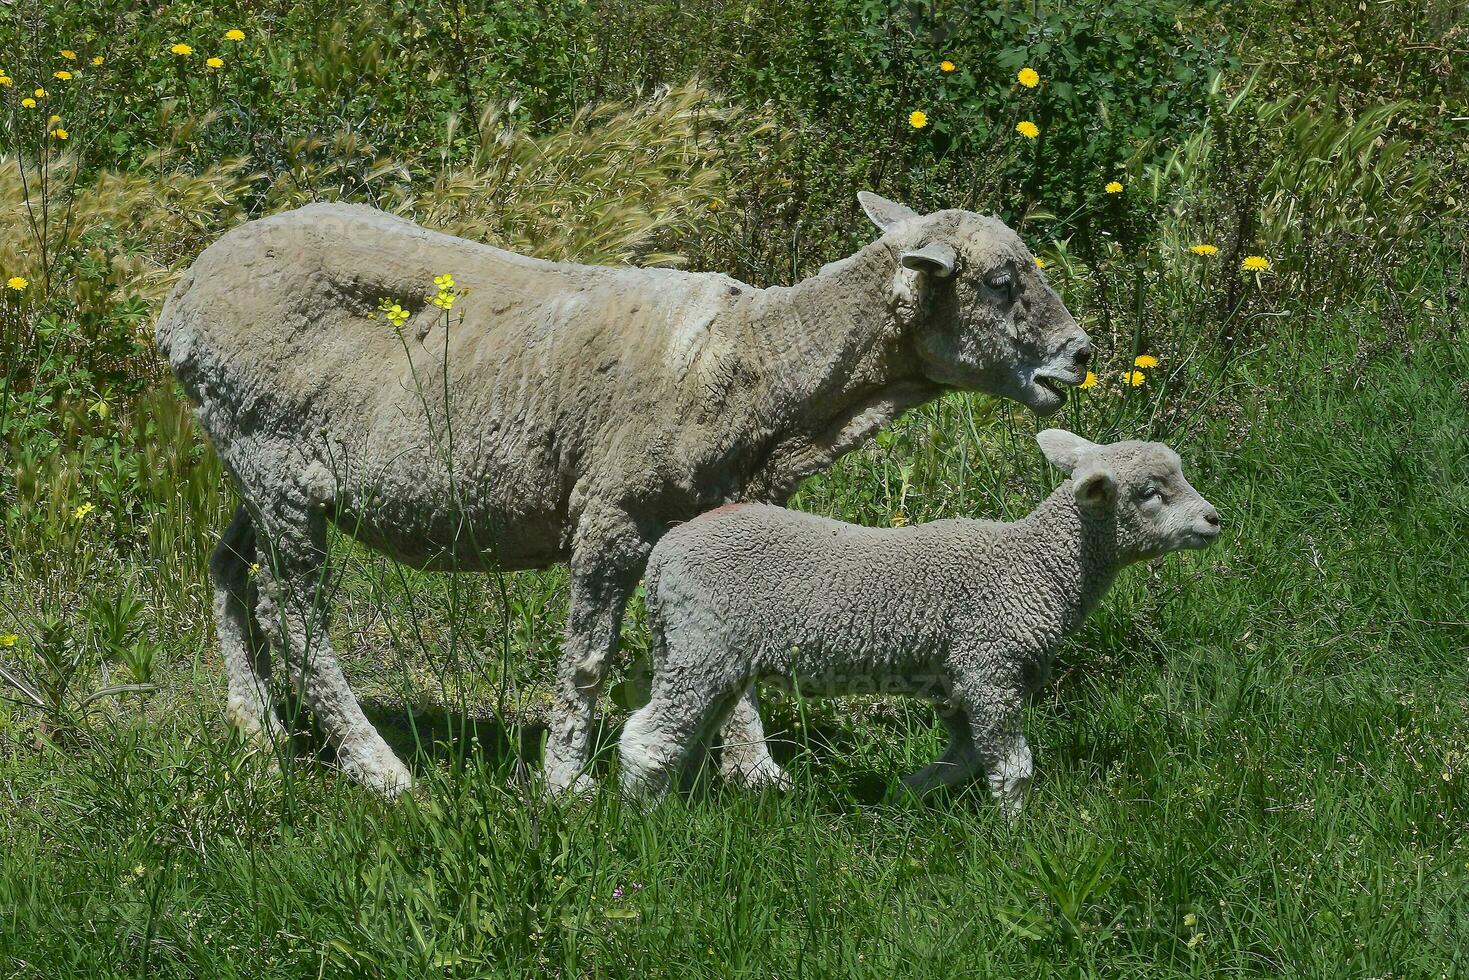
(1063, 449)
(1096, 490)
(935, 258)
(884, 213)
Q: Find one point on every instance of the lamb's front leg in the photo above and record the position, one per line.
(995, 716)
(607, 557)
(959, 763)
(744, 757)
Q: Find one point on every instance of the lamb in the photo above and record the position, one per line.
(965, 612)
(561, 412)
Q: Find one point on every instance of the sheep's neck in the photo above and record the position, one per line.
(834, 366)
(1077, 556)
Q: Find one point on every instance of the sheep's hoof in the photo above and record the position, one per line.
(581, 786)
(763, 775)
(388, 778)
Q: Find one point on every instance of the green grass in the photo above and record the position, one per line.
(1265, 746)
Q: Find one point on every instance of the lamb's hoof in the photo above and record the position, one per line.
(580, 786)
(763, 775)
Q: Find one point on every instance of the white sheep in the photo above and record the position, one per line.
(964, 612)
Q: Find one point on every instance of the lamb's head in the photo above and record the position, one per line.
(1135, 489)
(980, 314)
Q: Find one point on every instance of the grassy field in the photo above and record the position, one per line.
(1252, 760)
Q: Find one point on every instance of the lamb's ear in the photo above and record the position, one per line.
(884, 213)
(1096, 490)
(1064, 449)
(935, 258)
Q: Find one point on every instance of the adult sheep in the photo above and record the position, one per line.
(562, 413)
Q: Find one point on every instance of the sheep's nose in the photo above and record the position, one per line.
(1211, 517)
(1083, 355)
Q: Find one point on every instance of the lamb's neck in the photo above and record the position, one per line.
(1074, 557)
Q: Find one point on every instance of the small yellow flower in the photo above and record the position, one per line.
(446, 281)
(1255, 263)
(234, 34)
(6, 80)
(946, 66)
(1040, 263)
(8, 639)
(1190, 920)
(715, 204)
(1204, 249)
(18, 283)
(1028, 77)
(445, 300)
(97, 59)
(1134, 378)
(182, 50)
(917, 119)
(81, 512)
(139, 871)
(60, 133)
(253, 570)
(27, 103)
(64, 76)
(1113, 187)
(214, 62)
(39, 93)
(69, 55)
(1145, 361)
(1196, 940)
(1090, 381)
(899, 519)
(1027, 129)
(393, 312)
(53, 120)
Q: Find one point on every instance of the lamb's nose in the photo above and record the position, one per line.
(1212, 517)
(1083, 355)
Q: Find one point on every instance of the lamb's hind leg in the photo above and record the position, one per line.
(744, 757)
(293, 613)
(241, 643)
(960, 762)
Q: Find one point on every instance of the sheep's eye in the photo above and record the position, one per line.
(1150, 492)
(1000, 281)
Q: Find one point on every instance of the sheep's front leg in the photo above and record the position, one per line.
(241, 642)
(960, 762)
(292, 612)
(995, 717)
(606, 558)
(744, 757)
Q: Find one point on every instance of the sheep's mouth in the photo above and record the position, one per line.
(1046, 393)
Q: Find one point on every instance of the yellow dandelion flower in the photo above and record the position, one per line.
(27, 103)
(1255, 263)
(917, 119)
(97, 59)
(1134, 378)
(1090, 380)
(18, 283)
(1204, 249)
(64, 76)
(6, 80)
(182, 50)
(53, 120)
(39, 93)
(715, 204)
(234, 34)
(60, 133)
(1040, 263)
(8, 639)
(1145, 361)
(1027, 129)
(1113, 187)
(81, 512)
(1028, 77)
(214, 62)
(946, 66)
(69, 55)
(1190, 920)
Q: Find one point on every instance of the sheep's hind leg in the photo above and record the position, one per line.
(293, 613)
(744, 757)
(241, 643)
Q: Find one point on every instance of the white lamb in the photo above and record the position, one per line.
(964, 612)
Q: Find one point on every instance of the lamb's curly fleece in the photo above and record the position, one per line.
(960, 611)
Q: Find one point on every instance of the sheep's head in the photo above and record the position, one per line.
(1137, 489)
(978, 310)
